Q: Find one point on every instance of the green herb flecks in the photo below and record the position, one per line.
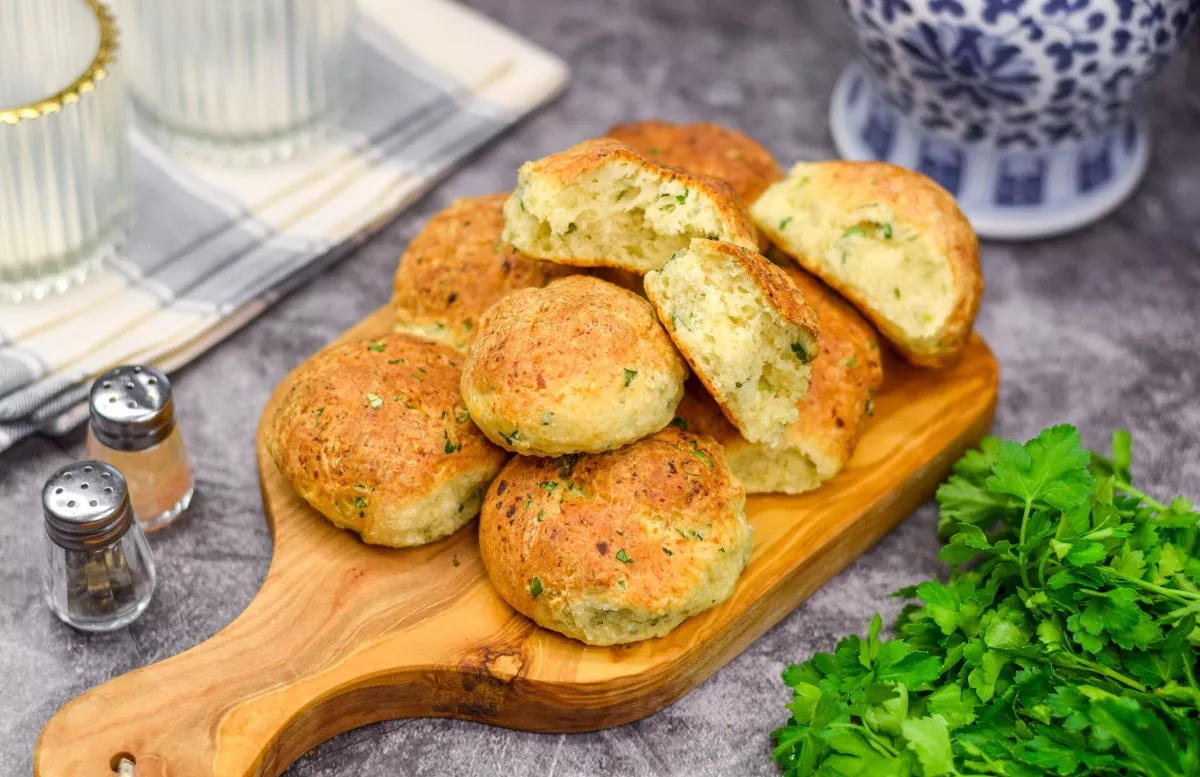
(801, 353)
(682, 198)
(548, 486)
(667, 551)
(877, 229)
(397, 361)
(623, 557)
(621, 194)
(377, 346)
(535, 587)
(1060, 644)
(566, 465)
(679, 423)
(570, 228)
(700, 454)
(360, 503)
(629, 376)
(515, 434)
(450, 446)
(783, 222)
(374, 401)
(852, 361)
(462, 415)
(320, 411)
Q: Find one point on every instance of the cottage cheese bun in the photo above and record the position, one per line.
(704, 149)
(846, 375)
(745, 328)
(374, 436)
(891, 241)
(457, 267)
(602, 203)
(619, 546)
(580, 366)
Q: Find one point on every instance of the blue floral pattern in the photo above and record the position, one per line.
(1019, 73)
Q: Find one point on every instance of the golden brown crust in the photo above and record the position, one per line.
(704, 149)
(580, 365)
(583, 158)
(637, 528)
(369, 428)
(457, 267)
(918, 200)
(845, 375)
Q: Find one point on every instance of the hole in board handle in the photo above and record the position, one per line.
(122, 764)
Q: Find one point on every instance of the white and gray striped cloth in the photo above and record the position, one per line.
(211, 248)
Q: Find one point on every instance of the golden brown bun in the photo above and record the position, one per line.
(619, 546)
(891, 241)
(746, 330)
(600, 203)
(704, 149)
(578, 366)
(374, 436)
(845, 376)
(457, 267)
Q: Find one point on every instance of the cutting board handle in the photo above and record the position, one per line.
(311, 657)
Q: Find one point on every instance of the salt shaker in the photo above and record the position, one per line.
(99, 573)
(132, 427)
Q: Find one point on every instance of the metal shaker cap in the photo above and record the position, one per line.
(87, 506)
(132, 408)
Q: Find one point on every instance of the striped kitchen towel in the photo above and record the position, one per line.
(211, 248)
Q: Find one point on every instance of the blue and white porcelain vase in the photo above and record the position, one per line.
(1019, 108)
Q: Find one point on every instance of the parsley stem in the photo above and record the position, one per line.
(870, 735)
(1080, 661)
(1183, 597)
(1123, 485)
(1182, 612)
(1021, 546)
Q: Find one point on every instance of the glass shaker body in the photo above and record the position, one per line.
(99, 572)
(100, 590)
(132, 426)
(160, 477)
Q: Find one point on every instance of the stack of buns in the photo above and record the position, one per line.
(561, 323)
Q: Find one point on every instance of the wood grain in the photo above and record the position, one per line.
(343, 634)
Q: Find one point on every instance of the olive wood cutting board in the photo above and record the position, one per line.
(343, 634)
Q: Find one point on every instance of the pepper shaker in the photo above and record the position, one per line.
(99, 573)
(132, 426)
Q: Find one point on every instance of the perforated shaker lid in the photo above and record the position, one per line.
(132, 408)
(87, 506)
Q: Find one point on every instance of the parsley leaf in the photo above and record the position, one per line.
(1060, 644)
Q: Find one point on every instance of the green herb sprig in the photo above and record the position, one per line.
(1063, 642)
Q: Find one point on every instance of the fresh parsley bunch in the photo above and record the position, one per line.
(1064, 642)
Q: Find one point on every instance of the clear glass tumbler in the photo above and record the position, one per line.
(64, 159)
(240, 81)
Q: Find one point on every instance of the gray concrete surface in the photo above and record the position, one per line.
(1098, 328)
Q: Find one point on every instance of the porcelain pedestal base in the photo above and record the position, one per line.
(1007, 193)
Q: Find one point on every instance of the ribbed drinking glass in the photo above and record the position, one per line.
(64, 159)
(240, 81)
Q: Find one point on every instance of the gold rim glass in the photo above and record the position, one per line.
(64, 160)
